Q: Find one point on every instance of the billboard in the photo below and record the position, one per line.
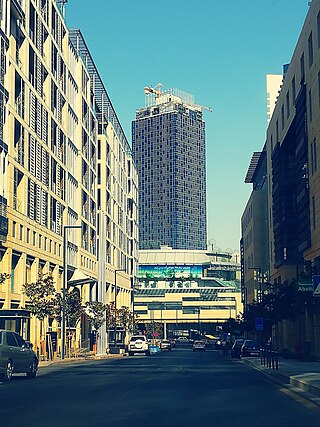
(170, 272)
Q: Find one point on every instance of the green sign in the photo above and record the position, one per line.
(305, 287)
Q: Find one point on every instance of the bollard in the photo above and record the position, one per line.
(277, 361)
(273, 360)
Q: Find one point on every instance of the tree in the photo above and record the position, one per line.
(42, 297)
(98, 313)
(4, 277)
(127, 319)
(74, 308)
(42, 302)
(154, 330)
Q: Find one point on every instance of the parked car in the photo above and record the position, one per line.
(166, 345)
(16, 356)
(172, 342)
(199, 346)
(139, 344)
(250, 348)
(236, 347)
(183, 340)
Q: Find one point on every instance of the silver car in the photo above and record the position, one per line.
(16, 356)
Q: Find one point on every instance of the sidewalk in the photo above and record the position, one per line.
(303, 375)
(58, 361)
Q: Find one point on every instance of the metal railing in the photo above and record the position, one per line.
(269, 358)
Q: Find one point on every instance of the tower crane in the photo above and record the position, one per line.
(150, 89)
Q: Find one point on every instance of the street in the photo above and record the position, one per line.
(178, 388)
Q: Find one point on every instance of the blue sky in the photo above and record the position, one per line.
(220, 51)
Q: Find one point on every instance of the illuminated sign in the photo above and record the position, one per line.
(170, 272)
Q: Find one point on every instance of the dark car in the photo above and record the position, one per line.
(16, 356)
(236, 347)
(172, 342)
(250, 348)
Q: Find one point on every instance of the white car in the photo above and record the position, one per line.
(139, 344)
(183, 340)
(199, 346)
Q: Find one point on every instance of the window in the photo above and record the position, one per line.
(11, 339)
(14, 226)
(318, 29)
(21, 232)
(19, 340)
(313, 212)
(293, 86)
(302, 67)
(314, 163)
(310, 50)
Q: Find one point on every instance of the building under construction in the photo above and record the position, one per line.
(168, 140)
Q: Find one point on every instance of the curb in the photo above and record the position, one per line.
(46, 363)
(288, 380)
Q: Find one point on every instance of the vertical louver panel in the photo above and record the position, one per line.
(32, 112)
(38, 161)
(32, 155)
(38, 203)
(44, 207)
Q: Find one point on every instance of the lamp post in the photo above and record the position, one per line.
(115, 304)
(64, 287)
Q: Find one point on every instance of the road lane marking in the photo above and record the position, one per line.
(299, 399)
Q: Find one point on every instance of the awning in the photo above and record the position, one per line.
(80, 278)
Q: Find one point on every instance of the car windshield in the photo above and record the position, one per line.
(138, 338)
(251, 343)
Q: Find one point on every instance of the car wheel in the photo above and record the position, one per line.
(9, 371)
(130, 353)
(33, 370)
(148, 353)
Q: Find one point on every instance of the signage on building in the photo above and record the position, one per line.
(305, 287)
(316, 285)
(259, 323)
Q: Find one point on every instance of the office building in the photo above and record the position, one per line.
(189, 292)
(293, 192)
(65, 162)
(168, 142)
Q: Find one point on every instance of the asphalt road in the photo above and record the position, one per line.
(178, 388)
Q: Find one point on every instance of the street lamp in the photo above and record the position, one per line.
(64, 287)
(115, 304)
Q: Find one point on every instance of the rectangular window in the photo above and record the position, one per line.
(293, 85)
(319, 88)
(34, 239)
(310, 49)
(318, 29)
(21, 232)
(302, 68)
(310, 105)
(14, 226)
(28, 235)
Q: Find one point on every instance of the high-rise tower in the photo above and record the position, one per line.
(168, 138)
